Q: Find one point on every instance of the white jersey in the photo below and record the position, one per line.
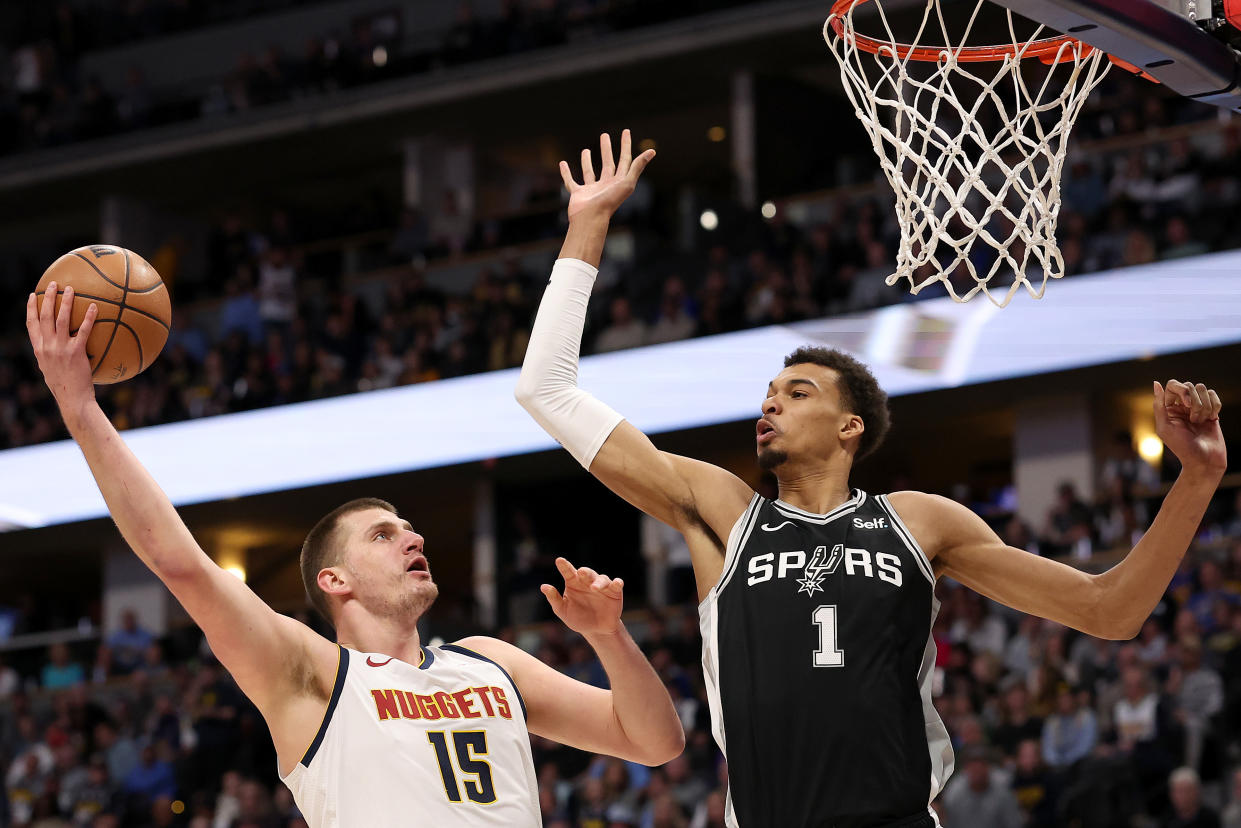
(443, 743)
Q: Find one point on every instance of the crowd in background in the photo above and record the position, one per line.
(48, 99)
(1051, 728)
(272, 343)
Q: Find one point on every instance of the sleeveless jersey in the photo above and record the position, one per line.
(818, 655)
(440, 743)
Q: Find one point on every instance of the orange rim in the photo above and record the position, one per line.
(1046, 49)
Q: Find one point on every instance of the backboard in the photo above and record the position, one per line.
(1181, 43)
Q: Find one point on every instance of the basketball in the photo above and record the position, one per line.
(134, 308)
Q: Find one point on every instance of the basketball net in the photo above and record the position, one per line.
(973, 140)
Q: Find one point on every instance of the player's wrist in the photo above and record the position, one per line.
(606, 635)
(1204, 472)
(76, 407)
(592, 218)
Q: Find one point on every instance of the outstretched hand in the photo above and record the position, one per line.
(1187, 420)
(591, 602)
(616, 180)
(61, 352)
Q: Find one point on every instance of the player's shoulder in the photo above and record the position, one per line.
(483, 645)
(918, 503)
(932, 519)
(501, 653)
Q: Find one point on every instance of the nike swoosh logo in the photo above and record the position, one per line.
(767, 527)
(372, 663)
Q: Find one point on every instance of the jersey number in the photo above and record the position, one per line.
(828, 654)
(470, 744)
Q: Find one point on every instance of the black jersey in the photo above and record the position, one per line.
(818, 655)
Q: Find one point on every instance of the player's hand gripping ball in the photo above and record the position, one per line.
(134, 309)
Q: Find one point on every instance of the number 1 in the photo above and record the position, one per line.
(828, 654)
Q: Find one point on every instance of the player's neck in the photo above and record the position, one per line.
(387, 636)
(818, 490)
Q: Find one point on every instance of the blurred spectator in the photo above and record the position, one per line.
(1136, 715)
(1018, 725)
(277, 289)
(95, 796)
(623, 329)
(978, 627)
(1185, 791)
(1125, 465)
(1034, 786)
(980, 794)
(1212, 591)
(119, 751)
(411, 238)
(60, 671)
(1199, 694)
(670, 570)
(1070, 733)
(1230, 817)
(129, 643)
(1069, 521)
(10, 681)
(675, 319)
(152, 777)
(240, 312)
(1179, 243)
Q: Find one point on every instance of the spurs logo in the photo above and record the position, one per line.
(821, 565)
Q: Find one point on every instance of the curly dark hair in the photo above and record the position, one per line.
(860, 393)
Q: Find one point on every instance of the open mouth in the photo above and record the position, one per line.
(418, 564)
(765, 431)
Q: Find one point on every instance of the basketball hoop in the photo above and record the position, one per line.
(977, 202)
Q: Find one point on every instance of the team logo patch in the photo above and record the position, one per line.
(821, 565)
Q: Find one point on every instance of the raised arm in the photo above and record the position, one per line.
(272, 657)
(1113, 604)
(701, 500)
(635, 719)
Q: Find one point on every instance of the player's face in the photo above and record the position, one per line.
(385, 562)
(802, 416)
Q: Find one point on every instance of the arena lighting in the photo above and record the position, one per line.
(716, 134)
(768, 209)
(709, 220)
(237, 572)
(1161, 308)
(1150, 448)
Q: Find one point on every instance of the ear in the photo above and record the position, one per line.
(332, 580)
(852, 427)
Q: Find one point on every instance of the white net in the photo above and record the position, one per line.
(973, 148)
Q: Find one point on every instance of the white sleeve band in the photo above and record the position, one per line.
(547, 387)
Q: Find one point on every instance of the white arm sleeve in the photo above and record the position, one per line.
(547, 387)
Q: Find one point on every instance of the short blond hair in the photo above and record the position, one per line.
(322, 548)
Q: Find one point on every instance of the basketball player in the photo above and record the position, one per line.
(378, 730)
(817, 607)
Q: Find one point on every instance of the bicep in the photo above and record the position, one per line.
(268, 654)
(973, 554)
(558, 707)
(673, 489)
